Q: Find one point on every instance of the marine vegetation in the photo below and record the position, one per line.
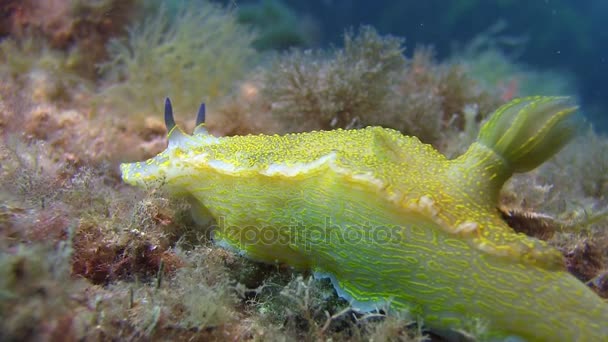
(316, 92)
(367, 82)
(79, 28)
(389, 220)
(168, 50)
(84, 256)
(52, 73)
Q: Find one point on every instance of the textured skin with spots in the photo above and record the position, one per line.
(390, 220)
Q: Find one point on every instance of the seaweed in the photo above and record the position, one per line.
(367, 82)
(38, 299)
(76, 28)
(196, 54)
(52, 74)
(83, 257)
(323, 93)
(433, 101)
(571, 215)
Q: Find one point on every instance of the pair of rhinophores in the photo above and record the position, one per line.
(170, 120)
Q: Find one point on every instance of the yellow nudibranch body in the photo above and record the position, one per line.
(390, 220)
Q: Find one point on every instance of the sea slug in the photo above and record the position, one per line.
(390, 220)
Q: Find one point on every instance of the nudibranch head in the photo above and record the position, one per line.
(170, 163)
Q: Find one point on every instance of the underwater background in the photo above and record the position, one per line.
(82, 88)
(550, 35)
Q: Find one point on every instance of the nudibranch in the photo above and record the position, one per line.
(390, 220)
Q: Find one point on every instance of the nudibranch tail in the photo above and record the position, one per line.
(528, 131)
(518, 137)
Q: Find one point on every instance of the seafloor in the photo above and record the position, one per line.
(85, 257)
